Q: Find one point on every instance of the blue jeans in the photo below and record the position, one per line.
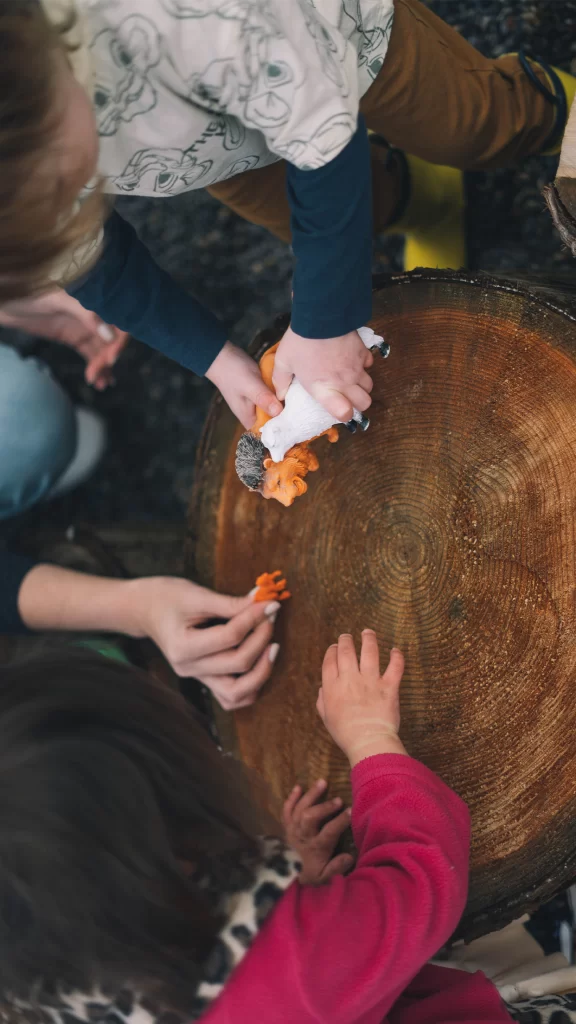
(37, 432)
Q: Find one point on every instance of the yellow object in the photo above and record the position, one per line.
(568, 83)
(569, 86)
(433, 220)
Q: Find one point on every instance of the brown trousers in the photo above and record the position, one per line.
(435, 97)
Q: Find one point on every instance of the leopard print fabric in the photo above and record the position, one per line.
(545, 1010)
(245, 912)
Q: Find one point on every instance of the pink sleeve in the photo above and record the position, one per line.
(344, 952)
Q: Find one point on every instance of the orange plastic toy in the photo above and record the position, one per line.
(284, 480)
(271, 587)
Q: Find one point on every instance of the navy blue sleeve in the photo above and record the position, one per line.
(332, 240)
(13, 569)
(128, 289)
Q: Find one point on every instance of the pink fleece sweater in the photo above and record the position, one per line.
(354, 951)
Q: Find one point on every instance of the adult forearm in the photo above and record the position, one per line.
(51, 598)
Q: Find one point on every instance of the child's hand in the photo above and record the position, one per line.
(359, 707)
(333, 371)
(303, 817)
(237, 377)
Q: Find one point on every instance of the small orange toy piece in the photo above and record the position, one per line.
(284, 480)
(271, 587)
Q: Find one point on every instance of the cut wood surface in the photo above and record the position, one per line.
(450, 528)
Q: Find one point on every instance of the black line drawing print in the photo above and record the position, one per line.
(374, 41)
(258, 77)
(331, 50)
(323, 144)
(203, 8)
(266, 101)
(173, 170)
(246, 163)
(234, 132)
(123, 58)
(163, 171)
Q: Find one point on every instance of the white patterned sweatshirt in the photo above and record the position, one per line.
(191, 92)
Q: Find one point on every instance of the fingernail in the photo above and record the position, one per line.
(337, 801)
(272, 618)
(253, 592)
(106, 332)
(273, 652)
(272, 608)
(276, 408)
(349, 812)
(321, 783)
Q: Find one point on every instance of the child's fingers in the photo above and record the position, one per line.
(313, 816)
(394, 672)
(333, 400)
(312, 795)
(339, 865)
(290, 804)
(360, 398)
(366, 383)
(265, 399)
(332, 830)
(330, 665)
(281, 379)
(347, 660)
(369, 655)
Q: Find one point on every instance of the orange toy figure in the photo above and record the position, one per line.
(284, 480)
(271, 587)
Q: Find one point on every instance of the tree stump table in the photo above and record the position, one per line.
(449, 528)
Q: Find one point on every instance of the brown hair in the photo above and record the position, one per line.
(109, 785)
(37, 225)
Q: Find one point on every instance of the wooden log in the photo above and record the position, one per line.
(450, 528)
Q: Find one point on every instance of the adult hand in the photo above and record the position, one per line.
(333, 371)
(313, 827)
(59, 317)
(233, 658)
(237, 377)
(359, 707)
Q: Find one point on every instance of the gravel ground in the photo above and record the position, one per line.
(156, 411)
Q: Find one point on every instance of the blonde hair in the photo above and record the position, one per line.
(43, 226)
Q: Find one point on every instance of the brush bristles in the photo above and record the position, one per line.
(250, 455)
